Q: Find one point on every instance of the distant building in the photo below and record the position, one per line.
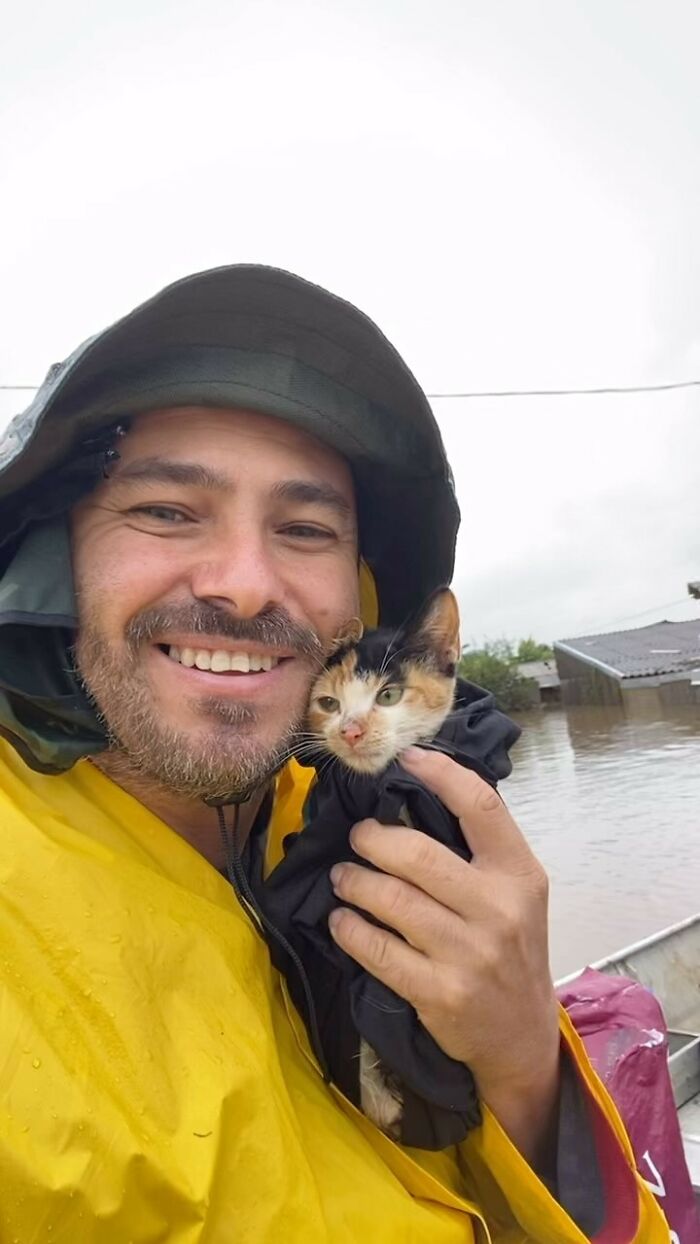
(657, 664)
(544, 673)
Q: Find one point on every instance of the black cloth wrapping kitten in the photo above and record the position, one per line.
(439, 1098)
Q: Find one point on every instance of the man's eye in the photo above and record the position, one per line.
(307, 531)
(164, 513)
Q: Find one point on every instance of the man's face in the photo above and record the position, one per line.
(211, 569)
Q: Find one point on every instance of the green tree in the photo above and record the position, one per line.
(530, 650)
(494, 667)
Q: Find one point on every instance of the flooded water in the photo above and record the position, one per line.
(612, 808)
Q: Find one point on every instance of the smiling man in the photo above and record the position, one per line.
(194, 504)
(212, 572)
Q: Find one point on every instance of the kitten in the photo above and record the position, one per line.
(381, 692)
(386, 690)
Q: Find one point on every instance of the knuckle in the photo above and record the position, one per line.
(456, 997)
(540, 883)
(348, 930)
(488, 957)
(422, 851)
(487, 800)
(379, 950)
(395, 897)
(511, 924)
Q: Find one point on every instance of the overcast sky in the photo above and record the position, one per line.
(510, 188)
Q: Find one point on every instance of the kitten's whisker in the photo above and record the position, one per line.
(304, 749)
(325, 766)
(389, 654)
(319, 662)
(296, 753)
(389, 651)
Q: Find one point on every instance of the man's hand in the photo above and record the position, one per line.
(472, 957)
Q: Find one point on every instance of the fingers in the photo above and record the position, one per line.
(470, 947)
(413, 857)
(399, 966)
(427, 925)
(486, 823)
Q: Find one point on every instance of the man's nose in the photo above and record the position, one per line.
(239, 575)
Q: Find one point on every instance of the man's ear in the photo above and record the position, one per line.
(437, 625)
(350, 632)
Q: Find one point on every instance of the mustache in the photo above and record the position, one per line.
(273, 627)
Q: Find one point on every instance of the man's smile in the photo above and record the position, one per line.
(219, 661)
(238, 669)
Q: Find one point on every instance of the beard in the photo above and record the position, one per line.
(227, 759)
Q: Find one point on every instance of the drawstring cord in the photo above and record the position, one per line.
(241, 888)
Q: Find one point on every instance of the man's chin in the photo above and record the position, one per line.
(210, 761)
(194, 746)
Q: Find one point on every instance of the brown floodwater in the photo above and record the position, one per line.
(612, 808)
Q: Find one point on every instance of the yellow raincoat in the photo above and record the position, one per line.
(155, 1085)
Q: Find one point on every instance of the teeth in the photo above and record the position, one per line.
(220, 662)
(240, 661)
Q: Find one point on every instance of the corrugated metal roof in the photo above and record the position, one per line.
(662, 648)
(544, 672)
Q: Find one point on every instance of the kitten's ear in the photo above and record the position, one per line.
(350, 632)
(438, 625)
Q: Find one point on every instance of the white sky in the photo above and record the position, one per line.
(512, 190)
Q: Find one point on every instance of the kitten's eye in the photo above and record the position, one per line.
(388, 696)
(328, 703)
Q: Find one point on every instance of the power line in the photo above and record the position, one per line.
(602, 390)
(683, 600)
(607, 389)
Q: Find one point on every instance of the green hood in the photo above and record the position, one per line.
(246, 336)
(44, 712)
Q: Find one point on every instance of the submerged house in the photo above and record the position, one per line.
(651, 665)
(543, 675)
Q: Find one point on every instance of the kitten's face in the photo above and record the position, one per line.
(388, 690)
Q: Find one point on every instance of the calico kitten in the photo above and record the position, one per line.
(381, 692)
(385, 690)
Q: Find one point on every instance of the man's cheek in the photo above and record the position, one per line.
(329, 619)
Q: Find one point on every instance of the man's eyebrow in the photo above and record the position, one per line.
(195, 474)
(165, 471)
(313, 492)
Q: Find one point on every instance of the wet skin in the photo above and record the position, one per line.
(264, 518)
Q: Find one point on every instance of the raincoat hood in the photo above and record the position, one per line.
(246, 336)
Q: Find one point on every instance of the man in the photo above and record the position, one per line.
(190, 509)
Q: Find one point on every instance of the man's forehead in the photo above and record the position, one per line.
(200, 430)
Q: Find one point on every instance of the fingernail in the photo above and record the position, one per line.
(335, 920)
(412, 756)
(336, 874)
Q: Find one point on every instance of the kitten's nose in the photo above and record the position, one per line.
(352, 732)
